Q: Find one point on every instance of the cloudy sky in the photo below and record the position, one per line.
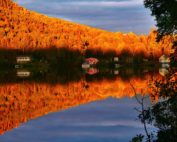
(113, 15)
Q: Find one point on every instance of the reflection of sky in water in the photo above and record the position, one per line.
(114, 15)
(104, 121)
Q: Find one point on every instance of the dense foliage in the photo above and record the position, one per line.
(23, 29)
(166, 15)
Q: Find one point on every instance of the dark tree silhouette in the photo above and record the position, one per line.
(165, 12)
(163, 114)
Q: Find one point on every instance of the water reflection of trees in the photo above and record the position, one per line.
(162, 114)
(21, 102)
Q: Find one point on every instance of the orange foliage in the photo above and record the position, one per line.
(21, 28)
(22, 102)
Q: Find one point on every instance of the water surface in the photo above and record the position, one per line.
(95, 107)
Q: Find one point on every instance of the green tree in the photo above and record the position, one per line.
(165, 12)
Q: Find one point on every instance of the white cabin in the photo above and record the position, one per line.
(164, 59)
(116, 59)
(23, 59)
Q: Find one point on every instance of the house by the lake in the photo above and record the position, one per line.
(23, 59)
(116, 59)
(92, 61)
(164, 59)
(89, 62)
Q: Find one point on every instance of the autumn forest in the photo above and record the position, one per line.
(28, 30)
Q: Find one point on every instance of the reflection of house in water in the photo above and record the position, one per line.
(23, 59)
(116, 72)
(92, 71)
(92, 61)
(23, 73)
(163, 71)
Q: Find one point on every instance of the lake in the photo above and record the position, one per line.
(75, 105)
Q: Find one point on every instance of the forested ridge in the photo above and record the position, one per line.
(24, 29)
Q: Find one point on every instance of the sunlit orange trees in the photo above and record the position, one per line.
(23, 29)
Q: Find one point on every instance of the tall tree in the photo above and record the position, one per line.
(165, 12)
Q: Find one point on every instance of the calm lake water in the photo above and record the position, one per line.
(89, 106)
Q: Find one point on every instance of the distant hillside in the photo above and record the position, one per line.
(24, 29)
